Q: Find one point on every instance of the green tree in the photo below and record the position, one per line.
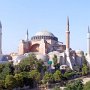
(25, 76)
(5, 71)
(10, 82)
(57, 76)
(1, 67)
(75, 85)
(84, 60)
(33, 61)
(19, 80)
(39, 65)
(84, 69)
(2, 84)
(35, 75)
(68, 75)
(55, 60)
(27, 64)
(87, 86)
(24, 65)
(48, 77)
(56, 64)
(17, 69)
(11, 67)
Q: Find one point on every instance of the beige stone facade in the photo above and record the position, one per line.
(43, 42)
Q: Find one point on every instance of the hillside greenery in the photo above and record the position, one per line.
(32, 72)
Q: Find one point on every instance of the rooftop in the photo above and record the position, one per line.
(44, 33)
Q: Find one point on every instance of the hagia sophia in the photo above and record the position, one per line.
(45, 45)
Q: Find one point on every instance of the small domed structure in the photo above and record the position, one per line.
(5, 58)
(79, 53)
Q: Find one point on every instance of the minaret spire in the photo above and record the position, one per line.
(88, 30)
(67, 23)
(27, 35)
(0, 25)
(0, 38)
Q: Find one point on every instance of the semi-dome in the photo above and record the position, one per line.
(44, 33)
(18, 59)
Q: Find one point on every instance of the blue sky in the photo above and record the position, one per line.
(37, 15)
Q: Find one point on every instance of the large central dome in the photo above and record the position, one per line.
(44, 33)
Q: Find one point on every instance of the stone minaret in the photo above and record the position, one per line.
(88, 47)
(68, 44)
(67, 37)
(88, 43)
(0, 38)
